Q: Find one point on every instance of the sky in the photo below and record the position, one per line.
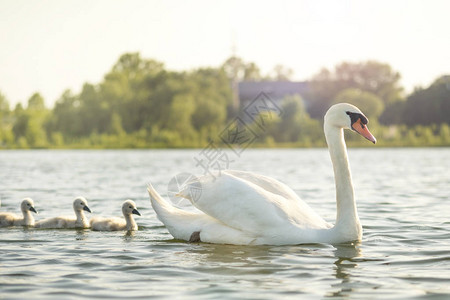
(48, 46)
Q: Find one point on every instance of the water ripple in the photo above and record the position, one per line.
(404, 252)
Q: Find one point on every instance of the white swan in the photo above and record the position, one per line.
(114, 224)
(79, 206)
(246, 208)
(10, 219)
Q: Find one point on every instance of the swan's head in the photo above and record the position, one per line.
(347, 116)
(80, 203)
(129, 207)
(27, 205)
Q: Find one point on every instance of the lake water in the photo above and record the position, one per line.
(403, 198)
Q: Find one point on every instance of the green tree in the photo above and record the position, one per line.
(37, 113)
(212, 96)
(36, 103)
(234, 67)
(116, 125)
(66, 118)
(6, 135)
(281, 73)
(429, 106)
(369, 103)
(444, 134)
(4, 105)
(370, 76)
(181, 111)
(21, 121)
(294, 125)
(239, 70)
(252, 72)
(127, 90)
(29, 124)
(393, 113)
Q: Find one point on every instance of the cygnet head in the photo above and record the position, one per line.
(347, 116)
(27, 205)
(80, 203)
(129, 207)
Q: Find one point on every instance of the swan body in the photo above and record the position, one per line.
(27, 219)
(80, 205)
(115, 224)
(244, 208)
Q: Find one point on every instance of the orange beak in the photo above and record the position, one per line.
(363, 130)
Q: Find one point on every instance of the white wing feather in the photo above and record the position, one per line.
(253, 203)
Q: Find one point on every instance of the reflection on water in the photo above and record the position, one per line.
(129, 236)
(81, 234)
(401, 196)
(344, 265)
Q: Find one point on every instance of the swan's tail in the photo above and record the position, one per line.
(180, 223)
(190, 226)
(161, 206)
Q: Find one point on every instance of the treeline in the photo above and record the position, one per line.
(140, 104)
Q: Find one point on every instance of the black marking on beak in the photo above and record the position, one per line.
(359, 125)
(354, 117)
(86, 208)
(136, 212)
(33, 209)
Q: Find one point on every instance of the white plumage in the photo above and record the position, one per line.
(246, 208)
(114, 224)
(79, 206)
(27, 219)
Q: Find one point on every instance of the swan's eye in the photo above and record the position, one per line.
(130, 207)
(28, 204)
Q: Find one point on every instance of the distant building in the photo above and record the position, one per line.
(276, 90)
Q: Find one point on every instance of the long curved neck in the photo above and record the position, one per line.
(347, 215)
(28, 218)
(81, 218)
(131, 223)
